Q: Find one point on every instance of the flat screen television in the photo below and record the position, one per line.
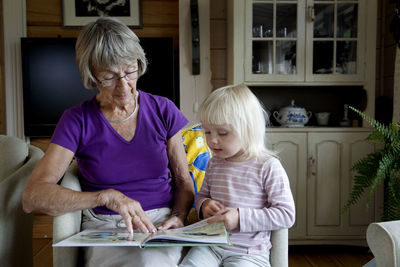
(52, 83)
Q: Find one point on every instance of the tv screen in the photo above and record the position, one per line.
(52, 82)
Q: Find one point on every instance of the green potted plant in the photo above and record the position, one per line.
(379, 167)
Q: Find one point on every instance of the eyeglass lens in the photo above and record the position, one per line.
(111, 82)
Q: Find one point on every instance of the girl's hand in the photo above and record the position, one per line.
(229, 216)
(130, 210)
(210, 208)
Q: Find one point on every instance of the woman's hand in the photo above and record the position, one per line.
(210, 208)
(229, 216)
(130, 210)
(173, 222)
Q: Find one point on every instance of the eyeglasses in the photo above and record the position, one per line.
(130, 76)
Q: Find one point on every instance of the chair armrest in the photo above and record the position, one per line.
(16, 225)
(67, 224)
(279, 256)
(383, 239)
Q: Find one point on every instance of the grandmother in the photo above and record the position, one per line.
(126, 143)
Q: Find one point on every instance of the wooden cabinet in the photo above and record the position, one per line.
(300, 41)
(318, 162)
(336, 39)
(274, 40)
(292, 151)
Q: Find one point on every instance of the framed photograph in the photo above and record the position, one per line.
(80, 12)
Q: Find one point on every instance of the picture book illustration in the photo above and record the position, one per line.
(197, 234)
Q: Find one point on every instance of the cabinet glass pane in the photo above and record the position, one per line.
(286, 57)
(286, 18)
(347, 20)
(346, 57)
(322, 57)
(263, 16)
(262, 60)
(323, 23)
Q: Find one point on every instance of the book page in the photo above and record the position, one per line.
(200, 233)
(103, 237)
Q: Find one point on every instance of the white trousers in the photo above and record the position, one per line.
(128, 256)
(216, 257)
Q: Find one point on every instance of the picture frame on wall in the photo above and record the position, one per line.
(78, 13)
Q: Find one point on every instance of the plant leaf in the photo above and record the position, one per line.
(379, 167)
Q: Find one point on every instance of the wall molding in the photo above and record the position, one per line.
(14, 24)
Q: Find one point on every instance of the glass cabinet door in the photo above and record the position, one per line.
(274, 40)
(334, 40)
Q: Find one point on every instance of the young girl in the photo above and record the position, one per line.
(245, 185)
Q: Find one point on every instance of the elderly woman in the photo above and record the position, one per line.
(126, 142)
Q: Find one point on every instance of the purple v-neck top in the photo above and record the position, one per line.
(138, 168)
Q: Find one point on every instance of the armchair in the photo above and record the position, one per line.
(198, 155)
(383, 239)
(17, 160)
(69, 224)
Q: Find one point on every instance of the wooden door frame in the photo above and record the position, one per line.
(14, 27)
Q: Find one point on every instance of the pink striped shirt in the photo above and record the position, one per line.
(261, 191)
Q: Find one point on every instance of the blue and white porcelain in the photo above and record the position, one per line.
(292, 116)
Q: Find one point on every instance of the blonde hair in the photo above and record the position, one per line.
(107, 43)
(237, 106)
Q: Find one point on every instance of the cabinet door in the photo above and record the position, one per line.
(292, 151)
(274, 40)
(332, 155)
(335, 40)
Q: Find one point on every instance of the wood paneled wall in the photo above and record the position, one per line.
(44, 19)
(218, 26)
(387, 65)
(385, 58)
(160, 19)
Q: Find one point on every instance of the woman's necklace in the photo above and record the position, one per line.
(130, 115)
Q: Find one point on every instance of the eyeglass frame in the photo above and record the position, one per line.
(114, 80)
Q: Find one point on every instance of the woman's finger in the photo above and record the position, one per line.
(144, 224)
(128, 222)
(132, 213)
(138, 224)
(166, 225)
(172, 222)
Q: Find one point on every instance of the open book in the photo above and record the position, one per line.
(197, 234)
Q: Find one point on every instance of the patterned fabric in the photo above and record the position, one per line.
(198, 155)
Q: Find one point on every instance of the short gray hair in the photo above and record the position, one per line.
(107, 43)
(236, 105)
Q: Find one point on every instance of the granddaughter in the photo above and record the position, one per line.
(244, 183)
